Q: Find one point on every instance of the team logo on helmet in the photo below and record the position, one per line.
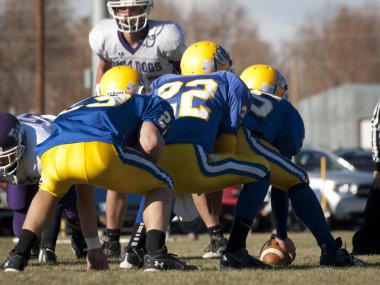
(222, 57)
(281, 80)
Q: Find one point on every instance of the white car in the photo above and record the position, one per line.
(346, 189)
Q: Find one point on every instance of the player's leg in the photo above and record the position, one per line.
(289, 177)
(133, 254)
(116, 204)
(248, 205)
(128, 171)
(217, 241)
(19, 197)
(70, 211)
(280, 209)
(39, 215)
(196, 171)
(214, 172)
(49, 238)
(365, 239)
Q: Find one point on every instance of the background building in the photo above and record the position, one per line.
(340, 117)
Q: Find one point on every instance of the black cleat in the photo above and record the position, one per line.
(132, 257)
(111, 249)
(15, 262)
(35, 251)
(215, 248)
(162, 260)
(47, 256)
(338, 257)
(240, 259)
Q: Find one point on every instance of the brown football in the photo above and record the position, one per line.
(272, 253)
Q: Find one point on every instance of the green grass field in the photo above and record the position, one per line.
(304, 270)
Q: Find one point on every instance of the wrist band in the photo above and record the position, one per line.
(93, 243)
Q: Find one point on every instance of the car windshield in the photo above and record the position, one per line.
(361, 159)
(310, 160)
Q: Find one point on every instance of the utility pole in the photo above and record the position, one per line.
(99, 11)
(39, 65)
(294, 96)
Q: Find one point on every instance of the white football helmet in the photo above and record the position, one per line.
(11, 145)
(130, 24)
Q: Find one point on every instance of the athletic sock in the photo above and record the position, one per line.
(240, 230)
(26, 242)
(306, 206)
(215, 232)
(138, 236)
(113, 235)
(155, 240)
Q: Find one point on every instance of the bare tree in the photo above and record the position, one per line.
(344, 48)
(228, 25)
(66, 56)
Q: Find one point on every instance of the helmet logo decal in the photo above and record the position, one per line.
(281, 81)
(222, 57)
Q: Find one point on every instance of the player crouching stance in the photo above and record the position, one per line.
(112, 142)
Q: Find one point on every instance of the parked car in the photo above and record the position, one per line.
(346, 189)
(358, 157)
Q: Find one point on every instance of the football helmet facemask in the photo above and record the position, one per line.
(11, 144)
(120, 80)
(204, 58)
(130, 24)
(265, 78)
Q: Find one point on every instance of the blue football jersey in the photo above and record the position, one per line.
(111, 119)
(204, 106)
(277, 121)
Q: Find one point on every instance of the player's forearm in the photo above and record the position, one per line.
(86, 210)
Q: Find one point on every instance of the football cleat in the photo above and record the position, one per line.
(47, 256)
(132, 257)
(338, 257)
(35, 251)
(111, 249)
(79, 245)
(215, 248)
(240, 259)
(15, 262)
(162, 260)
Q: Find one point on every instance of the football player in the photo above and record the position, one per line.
(93, 144)
(209, 103)
(274, 129)
(152, 47)
(20, 169)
